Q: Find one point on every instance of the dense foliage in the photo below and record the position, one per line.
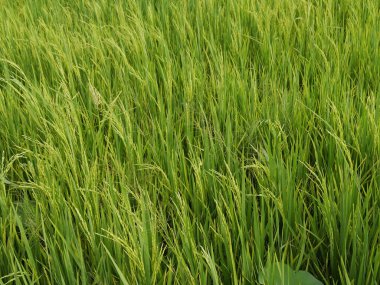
(188, 141)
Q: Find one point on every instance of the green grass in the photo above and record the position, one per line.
(189, 141)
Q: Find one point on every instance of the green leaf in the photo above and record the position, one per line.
(283, 274)
(305, 278)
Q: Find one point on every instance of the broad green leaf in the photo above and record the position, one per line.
(283, 274)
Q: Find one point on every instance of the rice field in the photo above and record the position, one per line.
(189, 141)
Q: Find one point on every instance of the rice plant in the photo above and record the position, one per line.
(189, 141)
